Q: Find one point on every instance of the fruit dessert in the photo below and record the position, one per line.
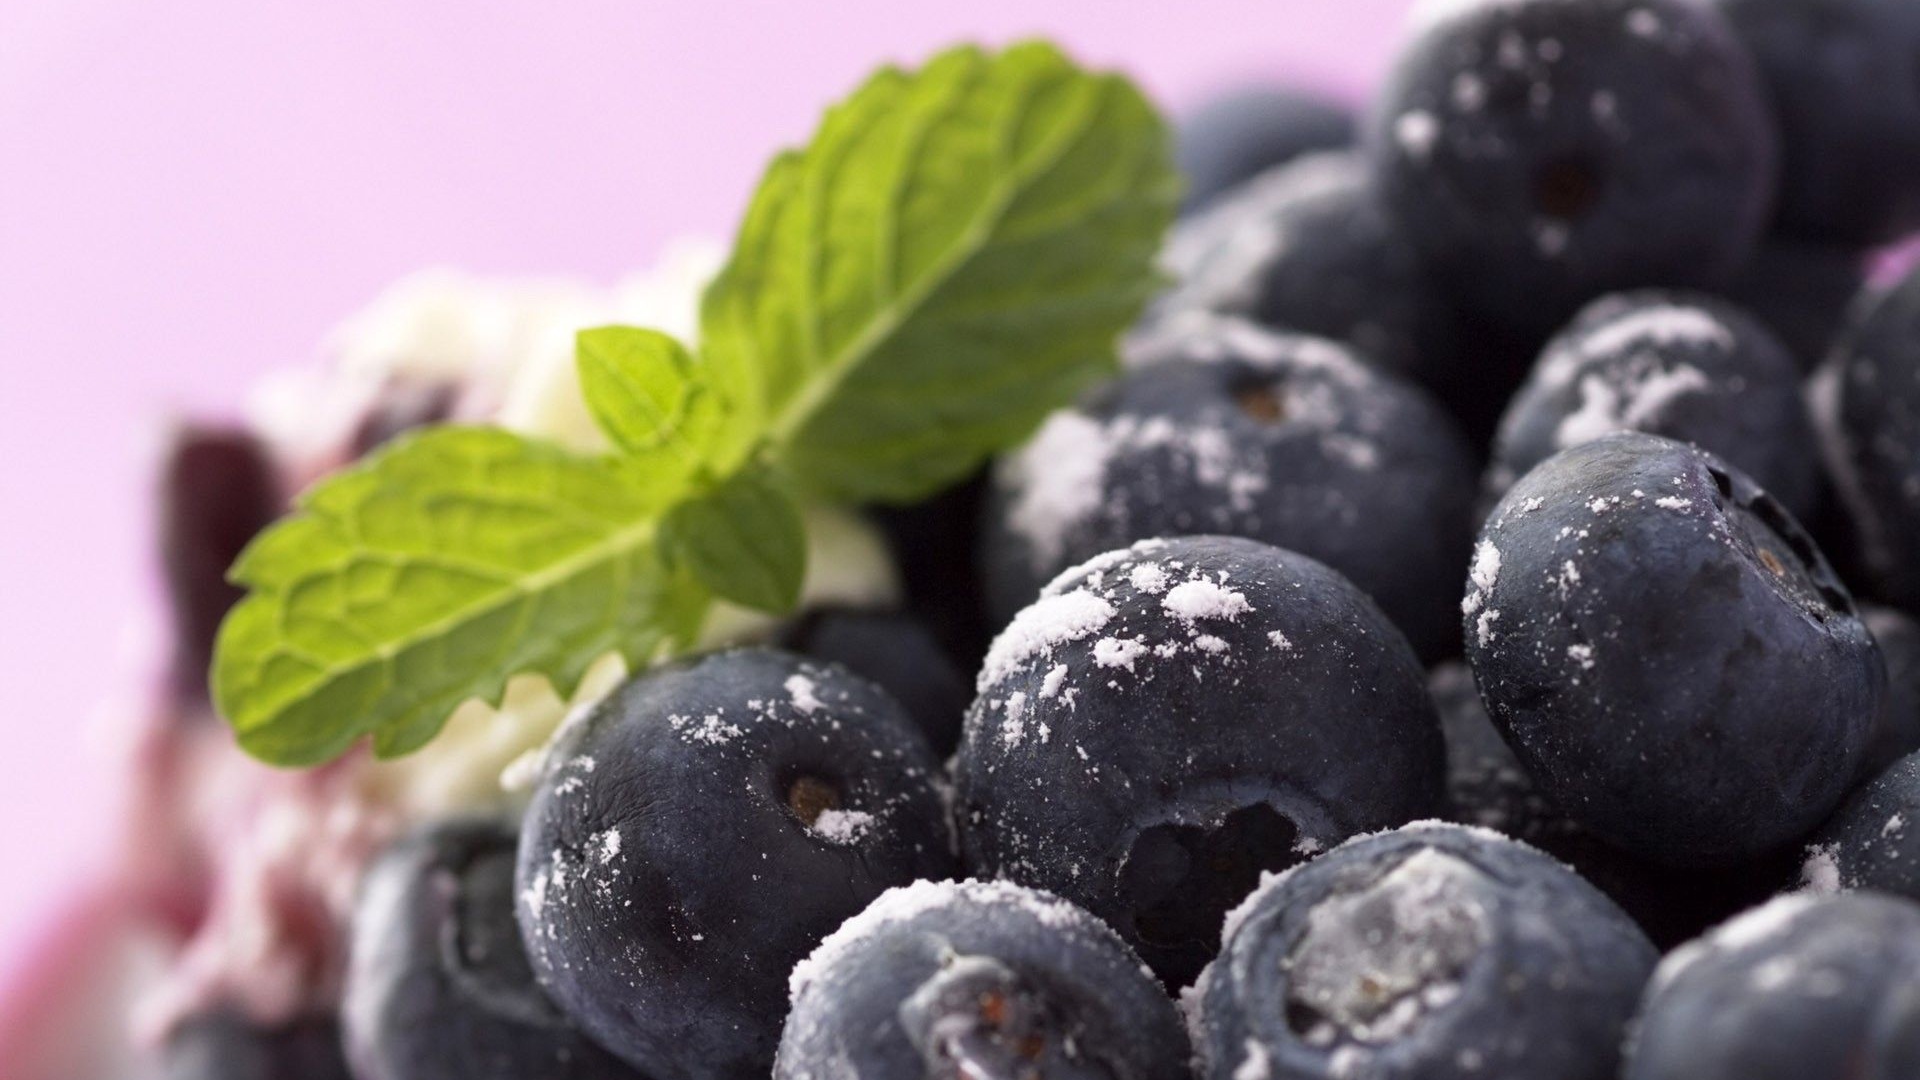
(1431, 596)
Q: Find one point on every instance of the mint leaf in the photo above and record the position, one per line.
(649, 395)
(744, 541)
(429, 574)
(951, 258)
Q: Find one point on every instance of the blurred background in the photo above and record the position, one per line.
(192, 194)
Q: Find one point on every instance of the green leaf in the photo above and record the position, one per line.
(744, 541)
(429, 574)
(952, 257)
(649, 395)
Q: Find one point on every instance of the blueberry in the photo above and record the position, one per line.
(1228, 428)
(1680, 365)
(438, 987)
(217, 490)
(1488, 787)
(1434, 952)
(898, 653)
(1306, 247)
(1233, 137)
(1844, 79)
(223, 1045)
(1801, 291)
(702, 830)
(1897, 730)
(977, 979)
(1540, 153)
(1800, 988)
(1873, 840)
(1666, 651)
(1867, 403)
(1166, 723)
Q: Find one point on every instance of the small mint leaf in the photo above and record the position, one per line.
(430, 573)
(648, 394)
(743, 540)
(952, 257)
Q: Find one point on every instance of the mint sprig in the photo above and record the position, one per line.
(951, 257)
(948, 261)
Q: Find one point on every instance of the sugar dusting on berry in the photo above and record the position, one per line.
(1627, 400)
(1063, 479)
(1743, 932)
(1059, 479)
(1056, 677)
(1042, 626)
(1256, 1065)
(1117, 652)
(1148, 578)
(1198, 599)
(1482, 576)
(842, 827)
(1058, 476)
(802, 690)
(709, 730)
(1820, 874)
(903, 904)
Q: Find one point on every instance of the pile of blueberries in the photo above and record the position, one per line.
(1485, 578)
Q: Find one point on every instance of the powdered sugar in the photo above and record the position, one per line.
(1117, 652)
(1256, 1065)
(908, 902)
(1191, 601)
(1745, 931)
(1014, 727)
(1056, 677)
(842, 827)
(1482, 576)
(802, 690)
(1659, 324)
(608, 846)
(1041, 627)
(1486, 566)
(1626, 401)
(1148, 578)
(1057, 477)
(709, 730)
(1820, 874)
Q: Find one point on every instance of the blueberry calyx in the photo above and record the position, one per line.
(977, 1019)
(808, 797)
(1373, 961)
(1769, 536)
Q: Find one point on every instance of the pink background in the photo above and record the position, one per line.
(192, 193)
